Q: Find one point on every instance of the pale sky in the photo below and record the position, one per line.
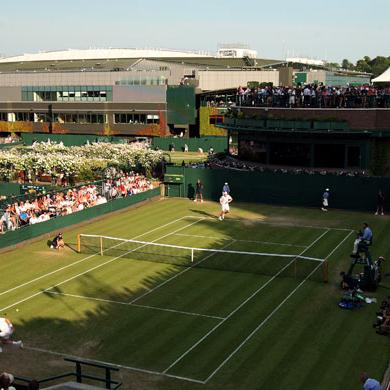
(323, 29)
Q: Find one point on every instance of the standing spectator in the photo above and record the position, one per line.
(226, 188)
(325, 200)
(369, 383)
(198, 191)
(379, 203)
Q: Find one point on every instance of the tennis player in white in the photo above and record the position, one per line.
(225, 200)
(6, 331)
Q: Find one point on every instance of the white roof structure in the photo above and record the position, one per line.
(383, 78)
(101, 54)
(306, 61)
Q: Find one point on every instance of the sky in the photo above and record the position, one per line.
(323, 29)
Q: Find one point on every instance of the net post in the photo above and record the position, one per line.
(325, 271)
(192, 255)
(79, 243)
(101, 246)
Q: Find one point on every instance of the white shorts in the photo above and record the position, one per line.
(325, 202)
(225, 208)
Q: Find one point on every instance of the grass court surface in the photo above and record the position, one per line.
(199, 327)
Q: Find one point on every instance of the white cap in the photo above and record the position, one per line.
(326, 189)
(226, 184)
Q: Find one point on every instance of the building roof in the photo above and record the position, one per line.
(100, 54)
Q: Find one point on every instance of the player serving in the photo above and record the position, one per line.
(225, 200)
(6, 331)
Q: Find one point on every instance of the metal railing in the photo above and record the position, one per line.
(78, 374)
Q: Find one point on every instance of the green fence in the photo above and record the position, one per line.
(10, 145)
(219, 144)
(346, 192)
(28, 232)
(8, 189)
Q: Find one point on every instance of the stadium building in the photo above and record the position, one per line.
(133, 92)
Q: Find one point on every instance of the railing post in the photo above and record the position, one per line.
(108, 378)
(79, 377)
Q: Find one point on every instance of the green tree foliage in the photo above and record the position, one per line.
(376, 65)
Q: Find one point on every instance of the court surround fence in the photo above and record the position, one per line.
(289, 189)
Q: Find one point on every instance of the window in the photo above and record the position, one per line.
(216, 120)
(24, 116)
(152, 119)
(4, 116)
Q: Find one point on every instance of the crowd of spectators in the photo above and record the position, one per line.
(314, 96)
(382, 323)
(44, 207)
(218, 161)
(8, 140)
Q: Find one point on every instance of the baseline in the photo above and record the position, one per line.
(215, 219)
(130, 368)
(252, 241)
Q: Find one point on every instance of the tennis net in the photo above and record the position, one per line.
(288, 265)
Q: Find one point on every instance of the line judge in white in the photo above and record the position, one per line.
(6, 331)
(225, 201)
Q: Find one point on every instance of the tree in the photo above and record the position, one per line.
(345, 64)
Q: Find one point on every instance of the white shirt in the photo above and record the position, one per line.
(6, 328)
(225, 199)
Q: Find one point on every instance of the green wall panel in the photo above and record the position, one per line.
(287, 189)
(181, 105)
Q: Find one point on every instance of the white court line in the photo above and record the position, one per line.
(230, 238)
(81, 260)
(242, 304)
(273, 312)
(215, 219)
(176, 275)
(175, 311)
(133, 304)
(93, 268)
(130, 368)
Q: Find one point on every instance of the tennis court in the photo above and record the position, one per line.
(188, 299)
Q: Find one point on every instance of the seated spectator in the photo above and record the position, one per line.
(6, 380)
(58, 242)
(62, 203)
(369, 383)
(33, 385)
